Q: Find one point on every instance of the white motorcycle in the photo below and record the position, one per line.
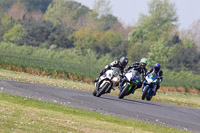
(109, 80)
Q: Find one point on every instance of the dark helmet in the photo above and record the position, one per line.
(123, 61)
(157, 67)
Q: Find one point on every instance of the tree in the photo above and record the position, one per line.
(33, 5)
(83, 39)
(155, 35)
(5, 25)
(15, 34)
(137, 51)
(40, 32)
(184, 56)
(17, 11)
(138, 35)
(160, 53)
(193, 33)
(159, 23)
(56, 11)
(6, 4)
(102, 7)
(120, 29)
(65, 12)
(98, 41)
(60, 37)
(106, 22)
(112, 39)
(120, 50)
(105, 19)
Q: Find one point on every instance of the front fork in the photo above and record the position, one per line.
(100, 82)
(121, 84)
(131, 85)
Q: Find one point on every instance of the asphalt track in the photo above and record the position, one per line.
(153, 112)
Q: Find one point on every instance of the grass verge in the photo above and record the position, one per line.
(176, 98)
(19, 114)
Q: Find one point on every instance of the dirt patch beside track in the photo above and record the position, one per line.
(180, 89)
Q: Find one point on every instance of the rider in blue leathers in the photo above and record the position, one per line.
(159, 72)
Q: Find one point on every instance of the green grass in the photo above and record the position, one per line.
(49, 66)
(176, 98)
(68, 61)
(181, 79)
(20, 114)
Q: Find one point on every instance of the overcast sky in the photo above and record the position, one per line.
(128, 11)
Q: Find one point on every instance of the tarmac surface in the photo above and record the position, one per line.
(179, 117)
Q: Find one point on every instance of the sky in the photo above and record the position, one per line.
(128, 11)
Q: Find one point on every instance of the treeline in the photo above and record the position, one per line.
(69, 25)
(64, 24)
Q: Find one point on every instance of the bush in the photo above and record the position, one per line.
(69, 61)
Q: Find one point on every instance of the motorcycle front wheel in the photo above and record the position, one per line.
(149, 98)
(94, 92)
(102, 90)
(145, 92)
(124, 91)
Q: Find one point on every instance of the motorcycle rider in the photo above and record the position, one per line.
(121, 64)
(156, 69)
(140, 67)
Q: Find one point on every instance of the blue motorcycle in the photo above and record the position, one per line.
(129, 83)
(150, 85)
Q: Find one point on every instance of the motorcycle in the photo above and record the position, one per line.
(150, 85)
(131, 81)
(109, 80)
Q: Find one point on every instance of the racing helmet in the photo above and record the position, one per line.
(123, 61)
(157, 67)
(144, 61)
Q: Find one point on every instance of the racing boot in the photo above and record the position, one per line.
(133, 91)
(120, 89)
(154, 91)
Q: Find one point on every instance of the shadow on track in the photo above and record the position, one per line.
(131, 101)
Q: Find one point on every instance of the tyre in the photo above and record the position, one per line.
(124, 91)
(145, 92)
(102, 89)
(149, 98)
(94, 92)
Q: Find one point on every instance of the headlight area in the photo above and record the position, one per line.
(115, 79)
